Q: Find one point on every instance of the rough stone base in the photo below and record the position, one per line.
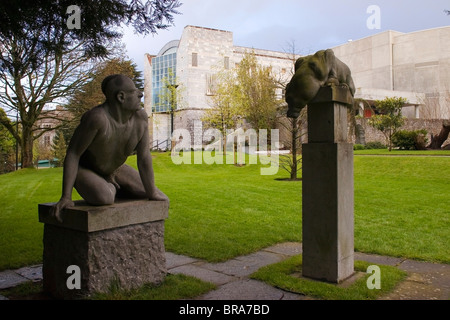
(124, 255)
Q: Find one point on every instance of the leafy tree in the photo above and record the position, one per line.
(44, 60)
(7, 148)
(59, 148)
(246, 92)
(224, 113)
(254, 92)
(390, 118)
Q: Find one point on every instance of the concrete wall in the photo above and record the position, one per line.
(417, 62)
(370, 60)
(422, 64)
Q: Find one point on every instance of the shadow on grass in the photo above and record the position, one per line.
(288, 179)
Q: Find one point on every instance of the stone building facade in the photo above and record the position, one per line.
(200, 54)
(415, 66)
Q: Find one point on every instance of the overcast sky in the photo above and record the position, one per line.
(312, 25)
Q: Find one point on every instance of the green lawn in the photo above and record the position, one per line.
(221, 211)
(286, 275)
(403, 152)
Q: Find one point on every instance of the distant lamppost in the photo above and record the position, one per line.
(172, 88)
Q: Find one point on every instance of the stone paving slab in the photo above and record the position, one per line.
(287, 248)
(377, 259)
(430, 273)
(175, 260)
(9, 279)
(414, 289)
(245, 265)
(425, 267)
(247, 289)
(203, 274)
(33, 273)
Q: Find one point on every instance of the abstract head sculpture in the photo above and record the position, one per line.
(311, 73)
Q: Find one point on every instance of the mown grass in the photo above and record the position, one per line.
(402, 207)
(174, 287)
(221, 211)
(287, 276)
(396, 152)
(20, 231)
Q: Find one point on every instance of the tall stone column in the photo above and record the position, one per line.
(328, 195)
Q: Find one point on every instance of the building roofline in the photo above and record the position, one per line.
(169, 45)
(397, 33)
(205, 28)
(368, 37)
(264, 52)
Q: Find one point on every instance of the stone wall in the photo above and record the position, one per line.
(432, 126)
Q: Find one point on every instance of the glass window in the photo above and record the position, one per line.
(163, 70)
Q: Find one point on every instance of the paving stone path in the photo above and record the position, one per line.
(425, 281)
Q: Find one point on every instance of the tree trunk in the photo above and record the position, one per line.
(437, 141)
(27, 148)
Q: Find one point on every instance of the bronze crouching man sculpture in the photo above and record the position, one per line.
(105, 137)
(313, 72)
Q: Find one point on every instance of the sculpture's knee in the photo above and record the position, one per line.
(106, 197)
(97, 195)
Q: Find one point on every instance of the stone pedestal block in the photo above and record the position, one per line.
(120, 244)
(328, 191)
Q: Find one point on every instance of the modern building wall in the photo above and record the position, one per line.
(413, 65)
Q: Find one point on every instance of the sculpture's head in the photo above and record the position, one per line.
(121, 89)
(311, 72)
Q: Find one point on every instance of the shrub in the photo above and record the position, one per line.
(359, 147)
(410, 140)
(375, 145)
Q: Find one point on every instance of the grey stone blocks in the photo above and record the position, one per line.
(121, 244)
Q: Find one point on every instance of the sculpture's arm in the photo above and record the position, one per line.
(145, 167)
(80, 141)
